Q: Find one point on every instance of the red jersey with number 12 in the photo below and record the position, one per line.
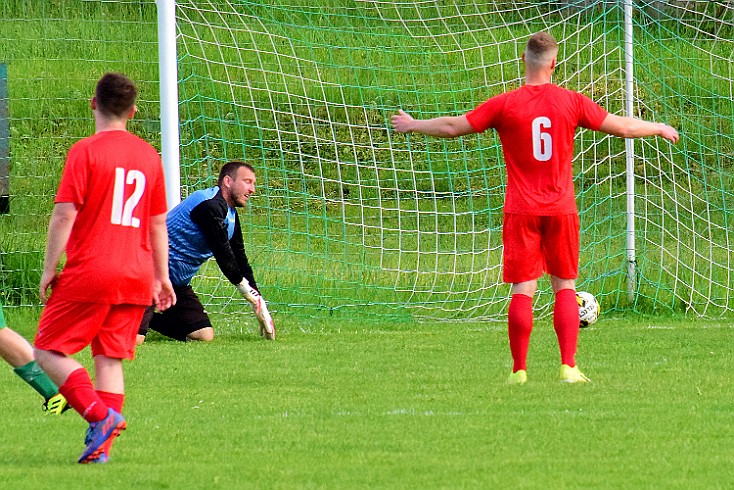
(116, 181)
(536, 125)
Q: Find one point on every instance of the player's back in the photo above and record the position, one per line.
(536, 124)
(115, 179)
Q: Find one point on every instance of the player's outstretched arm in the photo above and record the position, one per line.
(260, 307)
(441, 127)
(59, 229)
(163, 295)
(629, 127)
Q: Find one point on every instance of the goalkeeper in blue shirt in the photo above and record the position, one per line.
(203, 225)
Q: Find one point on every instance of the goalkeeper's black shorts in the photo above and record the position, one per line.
(178, 321)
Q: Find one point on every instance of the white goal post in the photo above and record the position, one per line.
(169, 100)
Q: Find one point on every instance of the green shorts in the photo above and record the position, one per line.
(2, 318)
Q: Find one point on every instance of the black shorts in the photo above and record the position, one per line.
(178, 321)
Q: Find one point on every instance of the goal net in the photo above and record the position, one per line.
(352, 219)
(351, 216)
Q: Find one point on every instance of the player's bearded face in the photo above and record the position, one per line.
(242, 187)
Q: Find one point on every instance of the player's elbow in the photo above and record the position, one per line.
(624, 132)
(457, 126)
(617, 128)
(454, 130)
(451, 132)
(628, 127)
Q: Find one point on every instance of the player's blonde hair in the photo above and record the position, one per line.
(541, 49)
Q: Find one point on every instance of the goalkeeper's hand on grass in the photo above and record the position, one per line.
(267, 327)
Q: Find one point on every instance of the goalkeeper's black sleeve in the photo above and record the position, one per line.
(210, 216)
(238, 248)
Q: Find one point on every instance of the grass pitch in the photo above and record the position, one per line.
(366, 405)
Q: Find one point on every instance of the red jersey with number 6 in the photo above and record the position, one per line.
(536, 125)
(116, 181)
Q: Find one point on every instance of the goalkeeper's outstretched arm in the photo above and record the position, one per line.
(260, 307)
(230, 256)
(237, 244)
(247, 286)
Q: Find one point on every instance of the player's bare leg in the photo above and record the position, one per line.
(205, 334)
(17, 352)
(14, 348)
(57, 366)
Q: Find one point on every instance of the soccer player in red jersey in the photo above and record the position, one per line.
(536, 125)
(110, 218)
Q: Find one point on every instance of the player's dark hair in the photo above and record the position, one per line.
(115, 94)
(231, 168)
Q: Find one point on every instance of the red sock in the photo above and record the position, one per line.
(519, 326)
(566, 324)
(112, 400)
(80, 394)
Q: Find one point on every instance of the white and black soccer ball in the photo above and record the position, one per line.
(589, 308)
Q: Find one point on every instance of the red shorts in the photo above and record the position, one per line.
(69, 326)
(537, 244)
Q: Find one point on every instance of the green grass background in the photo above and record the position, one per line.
(370, 405)
(354, 393)
(351, 216)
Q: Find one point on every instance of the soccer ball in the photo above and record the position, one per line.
(589, 308)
